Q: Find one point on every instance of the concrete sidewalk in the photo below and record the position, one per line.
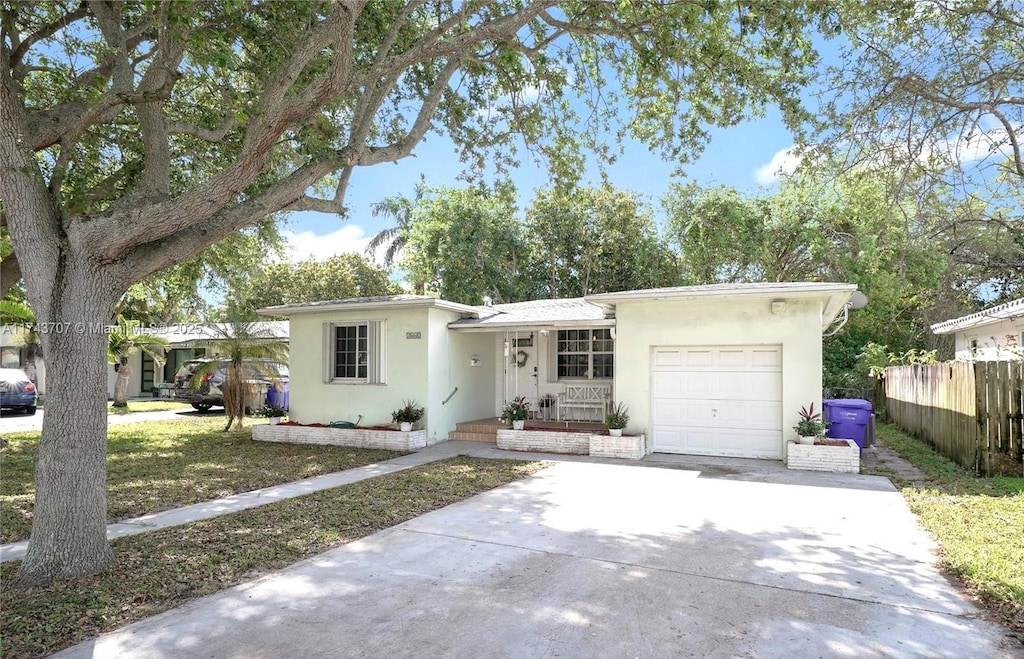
(585, 559)
(253, 498)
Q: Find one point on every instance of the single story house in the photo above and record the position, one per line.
(185, 342)
(989, 335)
(710, 370)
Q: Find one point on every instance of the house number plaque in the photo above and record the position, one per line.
(413, 335)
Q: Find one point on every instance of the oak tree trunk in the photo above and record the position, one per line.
(70, 514)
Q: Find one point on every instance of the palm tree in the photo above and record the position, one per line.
(19, 313)
(125, 338)
(395, 238)
(249, 349)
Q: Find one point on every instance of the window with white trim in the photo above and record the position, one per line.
(585, 354)
(354, 352)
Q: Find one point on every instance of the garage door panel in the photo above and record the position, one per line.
(699, 359)
(668, 384)
(718, 400)
(668, 358)
(747, 443)
(766, 359)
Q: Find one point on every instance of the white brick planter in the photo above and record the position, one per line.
(810, 457)
(392, 440)
(605, 446)
(577, 443)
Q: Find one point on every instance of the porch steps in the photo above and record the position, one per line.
(475, 432)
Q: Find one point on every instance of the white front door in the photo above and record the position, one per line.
(717, 400)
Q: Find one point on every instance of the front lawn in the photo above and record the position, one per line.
(978, 522)
(156, 465)
(164, 569)
(155, 405)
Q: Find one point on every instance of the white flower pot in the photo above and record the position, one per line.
(274, 420)
(808, 440)
(406, 426)
(518, 424)
(615, 432)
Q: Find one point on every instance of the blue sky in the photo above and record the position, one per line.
(743, 156)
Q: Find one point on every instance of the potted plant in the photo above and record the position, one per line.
(545, 403)
(407, 415)
(516, 412)
(616, 419)
(810, 426)
(272, 412)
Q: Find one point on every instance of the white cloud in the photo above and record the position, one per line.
(782, 163)
(307, 245)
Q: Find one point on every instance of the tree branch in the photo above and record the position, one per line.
(44, 32)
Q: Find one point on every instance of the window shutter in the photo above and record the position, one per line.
(328, 352)
(377, 352)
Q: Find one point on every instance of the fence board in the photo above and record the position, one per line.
(969, 412)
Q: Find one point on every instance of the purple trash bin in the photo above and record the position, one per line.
(849, 418)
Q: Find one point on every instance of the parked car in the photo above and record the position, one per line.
(17, 392)
(206, 393)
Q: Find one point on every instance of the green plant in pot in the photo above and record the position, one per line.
(407, 415)
(810, 427)
(272, 412)
(516, 412)
(616, 419)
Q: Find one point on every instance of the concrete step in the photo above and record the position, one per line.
(481, 428)
(473, 436)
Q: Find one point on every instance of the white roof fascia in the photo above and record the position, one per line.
(1007, 311)
(790, 289)
(530, 325)
(836, 295)
(438, 303)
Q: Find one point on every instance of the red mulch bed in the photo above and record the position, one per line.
(324, 425)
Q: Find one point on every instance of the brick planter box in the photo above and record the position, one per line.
(392, 440)
(811, 457)
(547, 441)
(631, 447)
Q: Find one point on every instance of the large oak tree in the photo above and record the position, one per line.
(135, 134)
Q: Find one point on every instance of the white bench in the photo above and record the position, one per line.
(584, 403)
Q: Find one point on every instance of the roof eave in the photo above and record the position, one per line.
(437, 303)
(528, 325)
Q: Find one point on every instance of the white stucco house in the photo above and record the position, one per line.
(709, 370)
(992, 334)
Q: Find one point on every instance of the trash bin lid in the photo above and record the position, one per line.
(850, 403)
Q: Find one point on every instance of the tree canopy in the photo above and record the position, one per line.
(135, 134)
(340, 276)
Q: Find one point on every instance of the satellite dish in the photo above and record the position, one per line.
(858, 300)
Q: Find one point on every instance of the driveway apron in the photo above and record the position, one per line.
(599, 560)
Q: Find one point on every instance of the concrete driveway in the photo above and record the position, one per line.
(600, 560)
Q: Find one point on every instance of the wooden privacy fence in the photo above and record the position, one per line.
(969, 412)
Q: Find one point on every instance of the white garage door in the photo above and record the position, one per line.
(718, 400)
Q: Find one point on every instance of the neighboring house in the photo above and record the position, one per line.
(996, 333)
(182, 338)
(184, 343)
(712, 370)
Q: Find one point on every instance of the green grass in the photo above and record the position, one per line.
(978, 522)
(155, 405)
(164, 569)
(156, 465)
